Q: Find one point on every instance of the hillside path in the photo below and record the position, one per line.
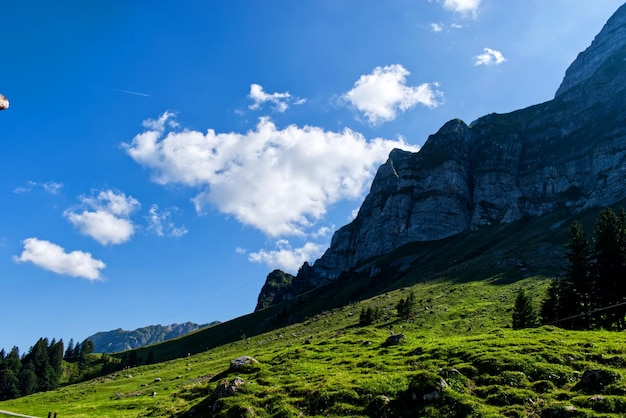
(13, 414)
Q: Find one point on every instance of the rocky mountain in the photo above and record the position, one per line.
(121, 340)
(569, 152)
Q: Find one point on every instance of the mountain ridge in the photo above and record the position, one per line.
(119, 340)
(568, 152)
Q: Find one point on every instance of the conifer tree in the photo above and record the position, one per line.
(524, 314)
(406, 307)
(69, 353)
(578, 287)
(9, 385)
(610, 252)
(551, 306)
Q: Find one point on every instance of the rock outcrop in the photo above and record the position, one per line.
(569, 152)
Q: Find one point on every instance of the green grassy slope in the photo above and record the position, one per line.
(460, 357)
(329, 366)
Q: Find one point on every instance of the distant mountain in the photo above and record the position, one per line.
(121, 340)
(567, 154)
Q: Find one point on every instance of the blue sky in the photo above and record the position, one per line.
(158, 159)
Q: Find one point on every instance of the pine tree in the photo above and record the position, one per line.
(610, 252)
(9, 385)
(69, 353)
(524, 314)
(578, 287)
(551, 306)
(28, 381)
(406, 307)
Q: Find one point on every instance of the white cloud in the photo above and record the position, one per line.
(380, 94)
(280, 100)
(324, 231)
(436, 27)
(51, 187)
(462, 6)
(159, 222)
(278, 180)
(287, 258)
(52, 257)
(105, 217)
(489, 57)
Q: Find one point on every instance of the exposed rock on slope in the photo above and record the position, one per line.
(569, 152)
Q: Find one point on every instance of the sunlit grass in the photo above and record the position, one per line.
(327, 365)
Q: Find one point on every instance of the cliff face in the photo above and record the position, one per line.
(568, 152)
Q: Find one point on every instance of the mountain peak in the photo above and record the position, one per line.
(609, 41)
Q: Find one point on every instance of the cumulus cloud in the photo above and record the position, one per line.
(104, 217)
(278, 180)
(489, 57)
(287, 258)
(462, 6)
(53, 257)
(280, 101)
(159, 222)
(383, 92)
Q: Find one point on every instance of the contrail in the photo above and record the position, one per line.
(136, 93)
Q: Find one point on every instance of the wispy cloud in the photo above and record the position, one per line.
(160, 223)
(280, 181)
(489, 57)
(51, 187)
(53, 257)
(280, 101)
(104, 217)
(383, 92)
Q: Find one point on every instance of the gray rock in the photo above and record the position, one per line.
(567, 153)
(242, 362)
(395, 339)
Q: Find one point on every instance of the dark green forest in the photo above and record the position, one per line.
(42, 368)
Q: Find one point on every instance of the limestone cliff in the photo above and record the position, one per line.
(568, 152)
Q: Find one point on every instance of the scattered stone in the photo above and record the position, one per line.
(597, 398)
(379, 407)
(595, 380)
(158, 379)
(242, 362)
(417, 352)
(395, 339)
(153, 394)
(432, 396)
(226, 388)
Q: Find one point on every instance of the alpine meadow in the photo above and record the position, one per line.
(483, 275)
